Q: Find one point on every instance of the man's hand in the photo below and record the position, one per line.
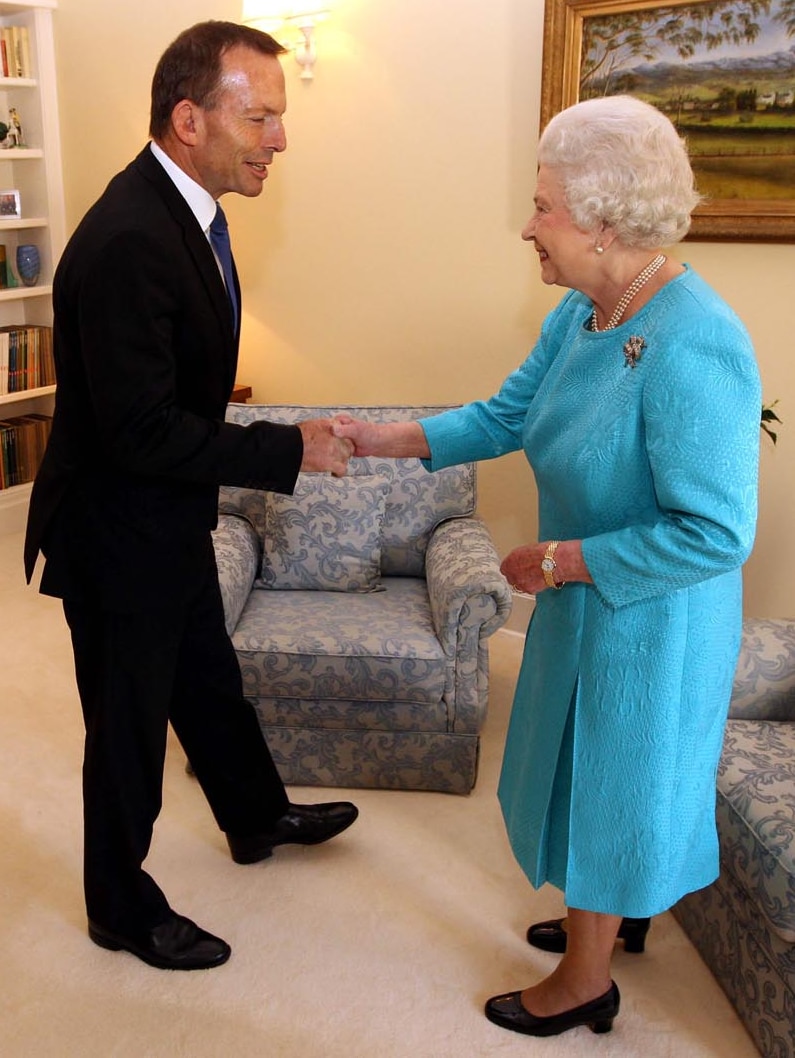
(322, 450)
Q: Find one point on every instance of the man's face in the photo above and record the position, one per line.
(237, 139)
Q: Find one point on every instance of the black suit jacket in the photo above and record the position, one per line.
(145, 362)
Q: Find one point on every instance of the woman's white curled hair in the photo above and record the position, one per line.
(622, 164)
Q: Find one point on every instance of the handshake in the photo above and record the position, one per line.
(324, 451)
(330, 443)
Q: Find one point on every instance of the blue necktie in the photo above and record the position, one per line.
(219, 237)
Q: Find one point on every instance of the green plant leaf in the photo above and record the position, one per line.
(768, 416)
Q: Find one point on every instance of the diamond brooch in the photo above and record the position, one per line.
(633, 347)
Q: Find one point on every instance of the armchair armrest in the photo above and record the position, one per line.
(764, 683)
(237, 554)
(470, 599)
(464, 580)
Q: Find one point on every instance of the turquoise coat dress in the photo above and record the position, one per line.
(608, 777)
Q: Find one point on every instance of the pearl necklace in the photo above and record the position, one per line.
(639, 281)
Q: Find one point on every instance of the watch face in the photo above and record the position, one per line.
(548, 564)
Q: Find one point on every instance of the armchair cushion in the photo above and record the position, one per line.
(373, 662)
(326, 536)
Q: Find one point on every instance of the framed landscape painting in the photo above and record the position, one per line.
(724, 73)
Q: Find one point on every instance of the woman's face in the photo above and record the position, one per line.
(563, 248)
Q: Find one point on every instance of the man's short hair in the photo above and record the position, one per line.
(190, 68)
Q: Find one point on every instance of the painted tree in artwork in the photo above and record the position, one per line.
(786, 15)
(609, 42)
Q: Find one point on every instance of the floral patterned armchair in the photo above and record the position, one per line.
(744, 923)
(360, 610)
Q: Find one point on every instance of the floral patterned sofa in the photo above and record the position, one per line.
(360, 610)
(744, 923)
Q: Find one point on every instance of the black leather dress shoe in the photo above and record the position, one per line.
(508, 1012)
(176, 944)
(551, 936)
(300, 825)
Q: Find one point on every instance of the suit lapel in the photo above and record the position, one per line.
(196, 242)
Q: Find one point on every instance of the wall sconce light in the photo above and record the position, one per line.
(292, 23)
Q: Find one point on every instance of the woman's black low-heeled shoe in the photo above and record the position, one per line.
(508, 1012)
(551, 936)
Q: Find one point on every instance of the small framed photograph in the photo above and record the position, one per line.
(10, 205)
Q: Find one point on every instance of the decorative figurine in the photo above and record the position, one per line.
(15, 137)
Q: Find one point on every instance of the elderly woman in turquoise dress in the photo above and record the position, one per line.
(638, 411)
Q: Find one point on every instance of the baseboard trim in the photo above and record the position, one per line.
(510, 632)
(14, 508)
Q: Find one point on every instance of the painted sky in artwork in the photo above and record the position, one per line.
(772, 38)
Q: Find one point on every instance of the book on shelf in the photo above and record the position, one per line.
(23, 439)
(26, 359)
(23, 61)
(15, 51)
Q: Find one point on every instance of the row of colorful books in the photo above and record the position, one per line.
(23, 439)
(26, 360)
(15, 51)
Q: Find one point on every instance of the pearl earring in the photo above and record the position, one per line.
(599, 248)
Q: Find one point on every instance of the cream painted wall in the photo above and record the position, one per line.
(383, 262)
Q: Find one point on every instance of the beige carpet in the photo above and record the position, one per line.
(382, 944)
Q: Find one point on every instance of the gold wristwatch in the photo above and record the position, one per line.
(549, 565)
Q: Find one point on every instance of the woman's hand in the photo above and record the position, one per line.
(363, 436)
(522, 567)
(394, 439)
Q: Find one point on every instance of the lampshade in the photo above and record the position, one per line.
(274, 13)
(266, 15)
(296, 17)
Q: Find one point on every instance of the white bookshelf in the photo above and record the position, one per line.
(35, 171)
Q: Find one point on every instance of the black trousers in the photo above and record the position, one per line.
(135, 674)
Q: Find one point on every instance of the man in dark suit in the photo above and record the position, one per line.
(146, 336)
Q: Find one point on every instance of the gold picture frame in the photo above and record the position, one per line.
(572, 25)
